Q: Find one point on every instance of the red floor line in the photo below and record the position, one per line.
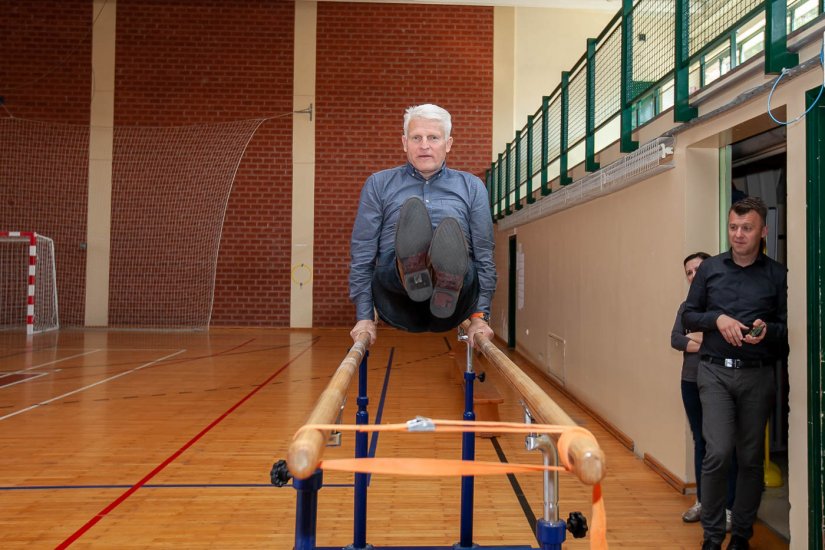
(118, 501)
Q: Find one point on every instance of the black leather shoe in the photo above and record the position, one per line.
(738, 543)
(449, 259)
(413, 236)
(710, 545)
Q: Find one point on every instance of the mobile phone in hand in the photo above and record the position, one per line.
(756, 331)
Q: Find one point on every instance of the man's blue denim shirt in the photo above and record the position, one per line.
(448, 193)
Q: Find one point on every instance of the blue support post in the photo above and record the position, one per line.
(359, 529)
(551, 534)
(306, 510)
(468, 452)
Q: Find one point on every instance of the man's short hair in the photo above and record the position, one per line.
(703, 255)
(428, 111)
(742, 207)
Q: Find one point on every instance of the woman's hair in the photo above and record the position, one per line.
(428, 111)
(703, 255)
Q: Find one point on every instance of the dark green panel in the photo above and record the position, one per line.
(626, 144)
(545, 144)
(682, 111)
(530, 198)
(815, 127)
(777, 56)
(564, 179)
(590, 164)
(511, 294)
(518, 170)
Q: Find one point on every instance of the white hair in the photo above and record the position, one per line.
(428, 111)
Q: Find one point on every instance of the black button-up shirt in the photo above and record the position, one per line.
(757, 291)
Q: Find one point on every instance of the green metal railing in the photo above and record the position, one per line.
(651, 56)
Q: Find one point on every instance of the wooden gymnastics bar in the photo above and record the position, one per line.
(584, 454)
(306, 450)
(585, 457)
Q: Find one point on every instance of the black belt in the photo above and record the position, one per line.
(735, 363)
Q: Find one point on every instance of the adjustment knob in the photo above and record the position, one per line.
(577, 524)
(279, 475)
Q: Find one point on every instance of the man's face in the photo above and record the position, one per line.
(425, 146)
(745, 232)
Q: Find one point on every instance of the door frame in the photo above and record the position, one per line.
(815, 145)
(512, 270)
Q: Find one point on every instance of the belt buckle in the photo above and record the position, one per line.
(730, 363)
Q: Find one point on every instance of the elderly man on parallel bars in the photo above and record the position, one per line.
(422, 242)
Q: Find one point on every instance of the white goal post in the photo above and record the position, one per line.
(28, 282)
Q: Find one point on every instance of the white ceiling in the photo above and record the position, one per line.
(602, 5)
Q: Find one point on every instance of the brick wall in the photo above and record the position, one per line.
(374, 61)
(210, 61)
(45, 75)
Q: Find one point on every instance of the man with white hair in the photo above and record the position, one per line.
(422, 242)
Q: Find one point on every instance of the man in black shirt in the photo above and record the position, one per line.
(738, 299)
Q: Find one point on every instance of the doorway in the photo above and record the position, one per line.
(759, 169)
(511, 293)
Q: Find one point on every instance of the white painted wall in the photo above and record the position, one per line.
(607, 277)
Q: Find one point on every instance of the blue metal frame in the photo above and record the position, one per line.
(359, 528)
(549, 534)
(468, 452)
(306, 510)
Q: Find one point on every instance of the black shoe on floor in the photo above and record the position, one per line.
(710, 545)
(449, 260)
(738, 543)
(413, 235)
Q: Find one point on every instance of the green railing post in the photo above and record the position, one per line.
(507, 155)
(590, 164)
(500, 186)
(530, 198)
(682, 111)
(488, 180)
(777, 56)
(626, 143)
(518, 204)
(564, 179)
(545, 144)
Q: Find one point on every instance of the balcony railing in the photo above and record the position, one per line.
(651, 57)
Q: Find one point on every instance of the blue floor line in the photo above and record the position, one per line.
(521, 547)
(380, 412)
(160, 486)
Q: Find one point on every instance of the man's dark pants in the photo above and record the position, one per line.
(396, 308)
(736, 404)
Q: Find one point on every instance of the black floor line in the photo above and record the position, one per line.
(525, 506)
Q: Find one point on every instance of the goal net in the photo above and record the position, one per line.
(28, 284)
(169, 196)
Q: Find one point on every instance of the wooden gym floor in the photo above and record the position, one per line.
(127, 439)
